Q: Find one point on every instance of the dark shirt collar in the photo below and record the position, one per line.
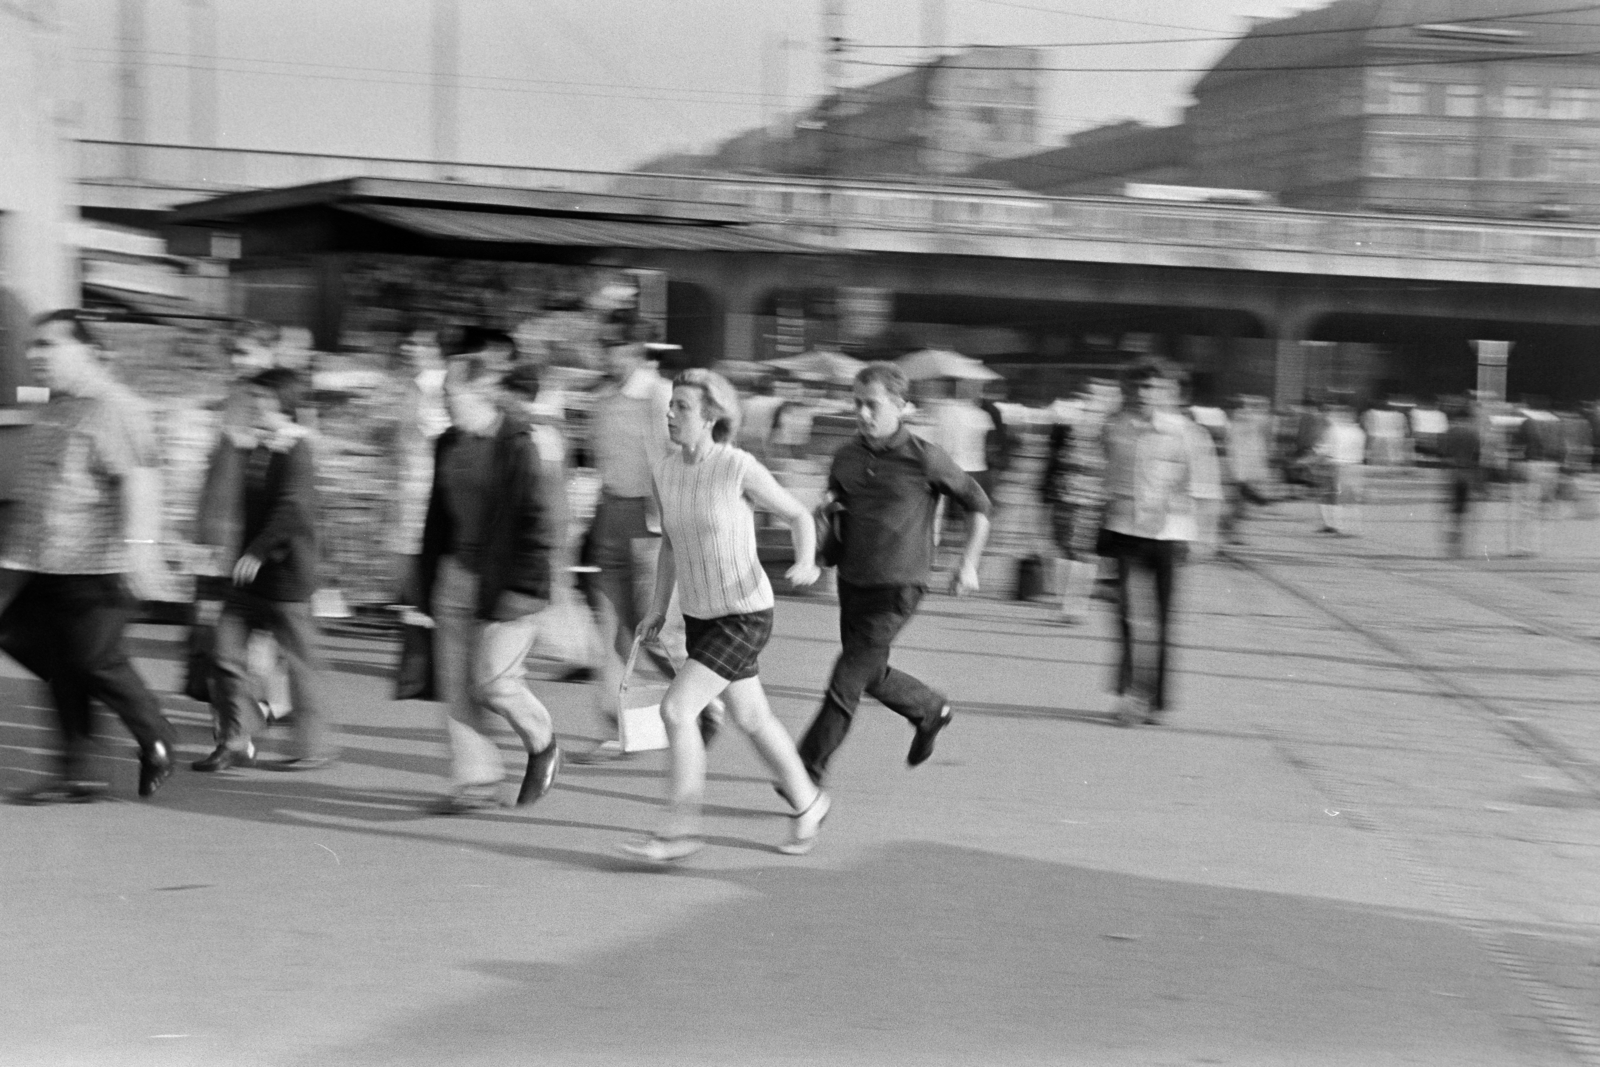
(889, 444)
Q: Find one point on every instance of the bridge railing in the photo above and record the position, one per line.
(821, 207)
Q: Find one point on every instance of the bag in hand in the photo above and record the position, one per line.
(200, 656)
(829, 518)
(413, 678)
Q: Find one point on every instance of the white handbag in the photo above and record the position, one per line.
(639, 725)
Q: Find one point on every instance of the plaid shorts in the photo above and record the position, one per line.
(730, 645)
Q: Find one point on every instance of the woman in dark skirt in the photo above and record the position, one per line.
(705, 488)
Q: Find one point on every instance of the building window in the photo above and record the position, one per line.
(1527, 161)
(1407, 98)
(1574, 102)
(1462, 101)
(1524, 102)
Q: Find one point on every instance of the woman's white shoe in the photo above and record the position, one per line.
(804, 826)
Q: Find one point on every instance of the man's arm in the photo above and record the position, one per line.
(550, 456)
(289, 516)
(1205, 483)
(141, 527)
(945, 477)
(127, 448)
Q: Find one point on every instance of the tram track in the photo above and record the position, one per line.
(1559, 755)
(1576, 1029)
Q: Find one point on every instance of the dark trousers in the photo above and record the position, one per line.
(68, 629)
(870, 618)
(233, 700)
(1146, 569)
(1460, 503)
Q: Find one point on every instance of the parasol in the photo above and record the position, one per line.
(942, 363)
(821, 363)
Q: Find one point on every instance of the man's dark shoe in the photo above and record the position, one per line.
(927, 733)
(155, 767)
(577, 674)
(541, 776)
(60, 791)
(224, 758)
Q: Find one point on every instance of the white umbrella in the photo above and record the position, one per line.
(942, 363)
(821, 363)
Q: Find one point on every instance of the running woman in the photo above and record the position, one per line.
(705, 488)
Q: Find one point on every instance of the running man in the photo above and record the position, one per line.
(889, 481)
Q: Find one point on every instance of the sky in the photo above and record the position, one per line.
(604, 84)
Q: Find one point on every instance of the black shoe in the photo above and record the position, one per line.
(59, 791)
(927, 733)
(578, 674)
(155, 767)
(224, 758)
(541, 776)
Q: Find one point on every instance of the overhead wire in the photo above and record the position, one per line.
(1264, 68)
(1536, 17)
(1094, 18)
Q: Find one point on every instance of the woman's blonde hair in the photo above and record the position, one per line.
(719, 400)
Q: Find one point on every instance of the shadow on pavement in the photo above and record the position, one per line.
(932, 954)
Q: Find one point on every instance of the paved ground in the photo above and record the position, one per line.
(1368, 836)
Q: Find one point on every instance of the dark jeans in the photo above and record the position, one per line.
(1145, 571)
(870, 618)
(233, 701)
(68, 630)
(1460, 503)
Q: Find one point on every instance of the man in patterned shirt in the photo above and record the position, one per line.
(77, 550)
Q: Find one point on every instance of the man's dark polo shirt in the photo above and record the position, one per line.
(889, 495)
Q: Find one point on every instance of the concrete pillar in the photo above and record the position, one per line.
(741, 291)
(1291, 326)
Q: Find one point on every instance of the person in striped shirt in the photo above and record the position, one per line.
(705, 489)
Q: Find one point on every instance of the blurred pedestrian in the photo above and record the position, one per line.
(1074, 490)
(705, 487)
(81, 542)
(491, 548)
(1245, 463)
(219, 521)
(629, 438)
(272, 582)
(1342, 450)
(1541, 445)
(1577, 458)
(1161, 479)
(578, 644)
(1385, 427)
(888, 481)
(1461, 451)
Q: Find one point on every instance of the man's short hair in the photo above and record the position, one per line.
(1151, 368)
(479, 338)
(77, 318)
(886, 374)
(282, 383)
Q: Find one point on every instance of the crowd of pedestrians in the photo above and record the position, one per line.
(665, 573)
